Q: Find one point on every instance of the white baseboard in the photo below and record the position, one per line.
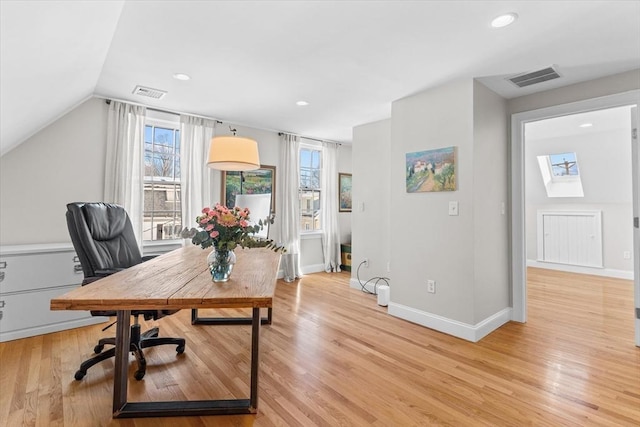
(606, 272)
(47, 329)
(314, 268)
(473, 333)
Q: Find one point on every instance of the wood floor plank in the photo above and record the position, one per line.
(333, 357)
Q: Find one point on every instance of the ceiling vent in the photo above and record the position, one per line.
(149, 93)
(534, 77)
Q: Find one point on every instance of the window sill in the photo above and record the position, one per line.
(311, 235)
(160, 246)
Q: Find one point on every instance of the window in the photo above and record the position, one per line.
(560, 175)
(162, 217)
(310, 165)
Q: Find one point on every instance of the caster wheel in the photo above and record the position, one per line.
(79, 375)
(98, 349)
(139, 375)
(180, 349)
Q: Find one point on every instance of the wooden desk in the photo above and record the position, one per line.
(179, 280)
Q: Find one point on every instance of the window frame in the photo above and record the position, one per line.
(318, 189)
(176, 182)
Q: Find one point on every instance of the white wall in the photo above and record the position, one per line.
(65, 162)
(427, 243)
(466, 254)
(605, 170)
(62, 163)
(604, 86)
(491, 237)
(371, 188)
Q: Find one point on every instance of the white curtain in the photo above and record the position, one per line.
(290, 206)
(124, 180)
(196, 178)
(329, 208)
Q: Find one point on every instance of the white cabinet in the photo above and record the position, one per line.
(30, 276)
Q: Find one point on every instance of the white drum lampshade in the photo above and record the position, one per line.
(233, 153)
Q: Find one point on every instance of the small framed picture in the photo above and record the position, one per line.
(344, 192)
(260, 181)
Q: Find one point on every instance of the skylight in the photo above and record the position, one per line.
(561, 175)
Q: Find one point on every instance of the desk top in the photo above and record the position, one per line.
(180, 279)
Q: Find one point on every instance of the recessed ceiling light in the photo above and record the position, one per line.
(181, 76)
(586, 125)
(302, 103)
(504, 20)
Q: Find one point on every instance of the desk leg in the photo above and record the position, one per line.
(255, 362)
(122, 361)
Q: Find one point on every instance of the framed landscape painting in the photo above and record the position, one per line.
(344, 192)
(431, 170)
(259, 181)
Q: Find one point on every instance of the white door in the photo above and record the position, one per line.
(635, 155)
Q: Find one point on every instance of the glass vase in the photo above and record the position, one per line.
(221, 264)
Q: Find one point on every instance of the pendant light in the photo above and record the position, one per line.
(233, 153)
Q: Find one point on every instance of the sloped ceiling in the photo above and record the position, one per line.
(250, 61)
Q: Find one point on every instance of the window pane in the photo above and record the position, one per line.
(148, 131)
(148, 164)
(564, 164)
(164, 137)
(163, 165)
(315, 159)
(310, 210)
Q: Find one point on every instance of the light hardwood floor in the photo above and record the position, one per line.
(333, 357)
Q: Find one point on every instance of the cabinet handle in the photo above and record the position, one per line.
(2, 304)
(3, 264)
(77, 269)
(1, 276)
(76, 259)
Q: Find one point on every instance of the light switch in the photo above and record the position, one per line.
(453, 208)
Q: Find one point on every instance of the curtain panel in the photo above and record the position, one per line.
(124, 179)
(290, 206)
(329, 208)
(196, 178)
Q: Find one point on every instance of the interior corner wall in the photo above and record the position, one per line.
(490, 200)
(427, 243)
(60, 164)
(371, 201)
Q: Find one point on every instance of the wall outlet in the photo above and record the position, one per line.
(431, 286)
(626, 254)
(366, 262)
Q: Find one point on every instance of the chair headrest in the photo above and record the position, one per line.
(105, 221)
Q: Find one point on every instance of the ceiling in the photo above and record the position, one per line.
(250, 61)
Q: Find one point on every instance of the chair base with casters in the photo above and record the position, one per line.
(137, 342)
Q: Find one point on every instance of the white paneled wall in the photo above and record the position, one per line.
(573, 238)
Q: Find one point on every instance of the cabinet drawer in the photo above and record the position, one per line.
(37, 271)
(30, 310)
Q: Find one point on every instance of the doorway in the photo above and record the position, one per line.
(519, 165)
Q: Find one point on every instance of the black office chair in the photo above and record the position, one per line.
(104, 241)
